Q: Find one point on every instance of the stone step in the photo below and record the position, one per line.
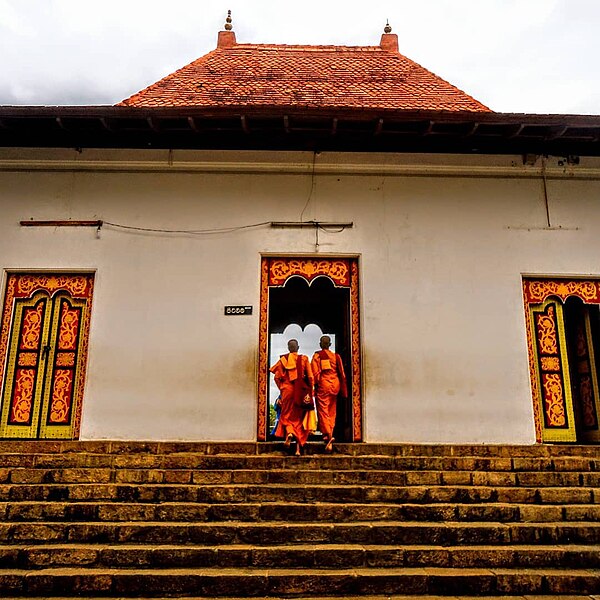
(298, 556)
(350, 597)
(18, 475)
(107, 447)
(294, 582)
(416, 494)
(347, 597)
(273, 533)
(198, 461)
(294, 512)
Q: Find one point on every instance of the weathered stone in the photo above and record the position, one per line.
(565, 496)
(519, 582)
(126, 512)
(59, 556)
(386, 557)
(9, 559)
(211, 477)
(456, 477)
(536, 513)
(36, 511)
(92, 532)
(481, 557)
(460, 581)
(588, 512)
(391, 581)
(38, 532)
(427, 557)
(283, 557)
(487, 512)
(12, 583)
(202, 519)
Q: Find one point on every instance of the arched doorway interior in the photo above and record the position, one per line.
(309, 292)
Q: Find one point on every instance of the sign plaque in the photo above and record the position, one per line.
(238, 310)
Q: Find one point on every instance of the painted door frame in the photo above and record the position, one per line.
(61, 366)
(344, 272)
(549, 368)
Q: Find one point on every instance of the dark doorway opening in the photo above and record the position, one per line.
(582, 332)
(327, 306)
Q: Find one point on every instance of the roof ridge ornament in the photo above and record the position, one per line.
(389, 40)
(228, 25)
(226, 37)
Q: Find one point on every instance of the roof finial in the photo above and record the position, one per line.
(228, 25)
(387, 28)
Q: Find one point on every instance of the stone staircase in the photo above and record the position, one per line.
(198, 520)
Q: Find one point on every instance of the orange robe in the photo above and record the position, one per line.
(330, 381)
(294, 379)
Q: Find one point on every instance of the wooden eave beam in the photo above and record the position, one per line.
(193, 125)
(245, 126)
(153, 124)
(472, 130)
(517, 131)
(61, 124)
(106, 124)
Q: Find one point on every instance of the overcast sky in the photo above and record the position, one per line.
(538, 56)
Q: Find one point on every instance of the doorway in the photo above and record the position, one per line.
(563, 337)
(312, 296)
(43, 352)
(321, 304)
(582, 332)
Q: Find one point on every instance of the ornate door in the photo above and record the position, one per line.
(584, 369)
(43, 349)
(562, 357)
(343, 273)
(552, 385)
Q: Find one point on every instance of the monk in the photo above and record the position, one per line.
(330, 381)
(294, 378)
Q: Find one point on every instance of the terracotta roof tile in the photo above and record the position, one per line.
(334, 77)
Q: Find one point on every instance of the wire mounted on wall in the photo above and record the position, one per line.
(100, 223)
(312, 185)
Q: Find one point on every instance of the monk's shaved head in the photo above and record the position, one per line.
(293, 346)
(325, 342)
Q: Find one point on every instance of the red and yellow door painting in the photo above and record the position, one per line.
(43, 354)
(563, 338)
(317, 292)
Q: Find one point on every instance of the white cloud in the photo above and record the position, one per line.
(534, 56)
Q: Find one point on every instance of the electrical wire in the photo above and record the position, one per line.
(330, 230)
(312, 185)
(187, 231)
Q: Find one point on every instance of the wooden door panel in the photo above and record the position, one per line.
(551, 365)
(43, 354)
(25, 368)
(64, 359)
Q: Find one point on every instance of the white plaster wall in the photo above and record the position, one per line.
(441, 259)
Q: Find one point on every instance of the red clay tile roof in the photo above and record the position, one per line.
(334, 77)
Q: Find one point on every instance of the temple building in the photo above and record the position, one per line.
(156, 254)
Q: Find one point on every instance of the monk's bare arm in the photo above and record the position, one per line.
(309, 372)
